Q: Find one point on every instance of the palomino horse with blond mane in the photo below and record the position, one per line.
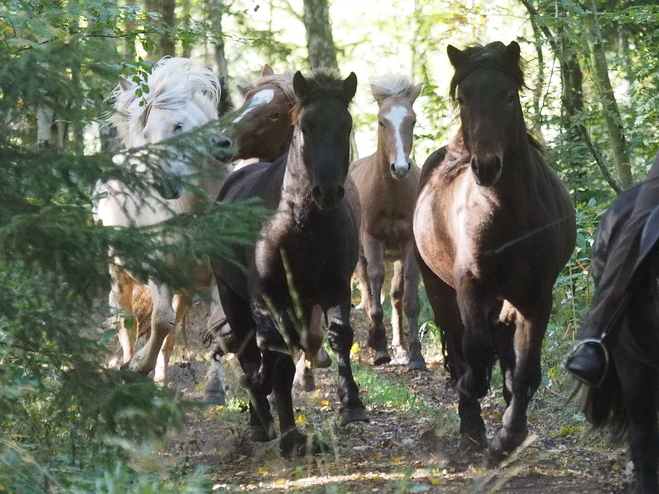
(387, 184)
(183, 95)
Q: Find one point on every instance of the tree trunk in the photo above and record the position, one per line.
(571, 98)
(219, 61)
(607, 97)
(165, 43)
(320, 43)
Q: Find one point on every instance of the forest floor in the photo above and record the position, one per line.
(410, 445)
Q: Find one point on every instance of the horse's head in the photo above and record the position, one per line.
(263, 126)
(395, 96)
(322, 133)
(182, 95)
(486, 85)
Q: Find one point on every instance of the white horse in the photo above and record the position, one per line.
(182, 95)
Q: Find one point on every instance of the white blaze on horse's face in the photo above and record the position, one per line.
(263, 97)
(396, 134)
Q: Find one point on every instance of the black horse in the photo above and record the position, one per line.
(306, 258)
(625, 313)
(493, 227)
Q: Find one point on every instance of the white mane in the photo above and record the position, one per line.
(391, 85)
(173, 84)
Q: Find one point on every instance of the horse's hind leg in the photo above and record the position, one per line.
(411, 308)
(639, 388)
(377, 335)
(163, 320)
(443, 301)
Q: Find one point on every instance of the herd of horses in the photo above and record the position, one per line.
(486, 223)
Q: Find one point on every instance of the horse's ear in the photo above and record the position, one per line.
(125, 84)
(511, 53)
(415, 92)
(300, 85)
(267, 71)
(349, 86)
(456, 56)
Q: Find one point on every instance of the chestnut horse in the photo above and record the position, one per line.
(387, 183)
(306, 259)
(494, 226)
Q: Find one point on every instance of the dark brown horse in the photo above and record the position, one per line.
(625, 312)
(306, 257)
(494, 226)
(387, 183)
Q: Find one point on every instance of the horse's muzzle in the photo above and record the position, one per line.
(328, 198)
(486, 169)
(398, 172)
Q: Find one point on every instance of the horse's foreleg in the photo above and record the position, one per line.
(396, 296)
(477, 310)
(314, 355)
(377, 335)
(443, 300)
(163, 320)
(340, 335)
(640, 394)
(181, 306)
(411, 308)
(526, 378)
(121, 302)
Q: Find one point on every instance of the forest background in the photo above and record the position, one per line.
(591, 76)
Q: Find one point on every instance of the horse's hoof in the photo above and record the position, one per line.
(503, 443)
(353, 415)
(214, 398)
(298, 444)
(476, 388)
(322, 360)
(258, 434)
(475, 441)
(419, 365)
(381, 357)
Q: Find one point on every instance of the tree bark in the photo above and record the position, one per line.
(165, 44)
(320, 43)
(607, 97)
(219, 61)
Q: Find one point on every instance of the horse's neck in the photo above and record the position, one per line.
(296, 186)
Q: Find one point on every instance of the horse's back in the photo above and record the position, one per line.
(257, 180)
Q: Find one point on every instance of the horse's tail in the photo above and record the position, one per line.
(604, 406)
(448, 366)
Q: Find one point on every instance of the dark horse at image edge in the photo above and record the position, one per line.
(306, 258)
(625, 312)
(493, 226)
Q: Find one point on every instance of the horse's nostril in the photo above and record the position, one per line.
(341, 191)
(409, 166)
(393, 168)
(315, 192)
(222, 142)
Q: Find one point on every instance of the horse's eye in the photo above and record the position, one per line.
(461, 100)
(178, 127)
(275, 116)
(510, 99)
(381, 123)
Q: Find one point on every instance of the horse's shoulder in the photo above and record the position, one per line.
(431, 164)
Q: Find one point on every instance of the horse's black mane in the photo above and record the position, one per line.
(490, 56)
(323, 83)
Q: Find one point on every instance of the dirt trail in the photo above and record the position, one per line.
(409, 448)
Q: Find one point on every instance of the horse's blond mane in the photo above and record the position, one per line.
(284, 81)
(391, 85)
(173, 83)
